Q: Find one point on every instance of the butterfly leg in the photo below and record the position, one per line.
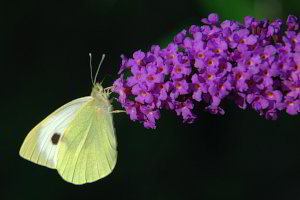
(108, 90)
(118, 111)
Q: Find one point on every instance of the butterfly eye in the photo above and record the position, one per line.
(99, 89)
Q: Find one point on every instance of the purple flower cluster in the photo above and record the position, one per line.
(255, 64)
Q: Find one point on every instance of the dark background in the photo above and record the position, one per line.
(44, 64)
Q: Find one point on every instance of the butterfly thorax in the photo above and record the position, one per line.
(101, 96)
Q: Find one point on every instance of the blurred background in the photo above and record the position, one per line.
(45, 64)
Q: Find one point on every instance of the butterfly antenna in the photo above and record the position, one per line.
(91, 68)
(103, 56)
(102, 80)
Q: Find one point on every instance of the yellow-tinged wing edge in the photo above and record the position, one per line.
(88, 148)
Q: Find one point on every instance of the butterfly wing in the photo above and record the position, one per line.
(88, 148)
(41, 144)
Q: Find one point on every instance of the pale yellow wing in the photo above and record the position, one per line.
(88, 148)
(41, 144)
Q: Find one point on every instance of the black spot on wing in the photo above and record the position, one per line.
(55, 138)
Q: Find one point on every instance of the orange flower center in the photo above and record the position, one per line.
(178, 69)
(238, 76)
(160, 69)
(222, 67)
(270, 94)
(200, 55)
(250, 83)
(171, 55)
(263, 56)
(127, 90)
(281, 65)
(151, 78)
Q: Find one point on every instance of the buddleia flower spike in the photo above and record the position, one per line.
(256, 64)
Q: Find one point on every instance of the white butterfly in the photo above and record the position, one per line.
(78, 139)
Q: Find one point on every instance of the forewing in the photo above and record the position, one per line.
(88, 149)
(41, 144)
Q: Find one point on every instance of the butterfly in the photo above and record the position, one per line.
(78, 139)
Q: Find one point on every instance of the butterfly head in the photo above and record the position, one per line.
(99, 93)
